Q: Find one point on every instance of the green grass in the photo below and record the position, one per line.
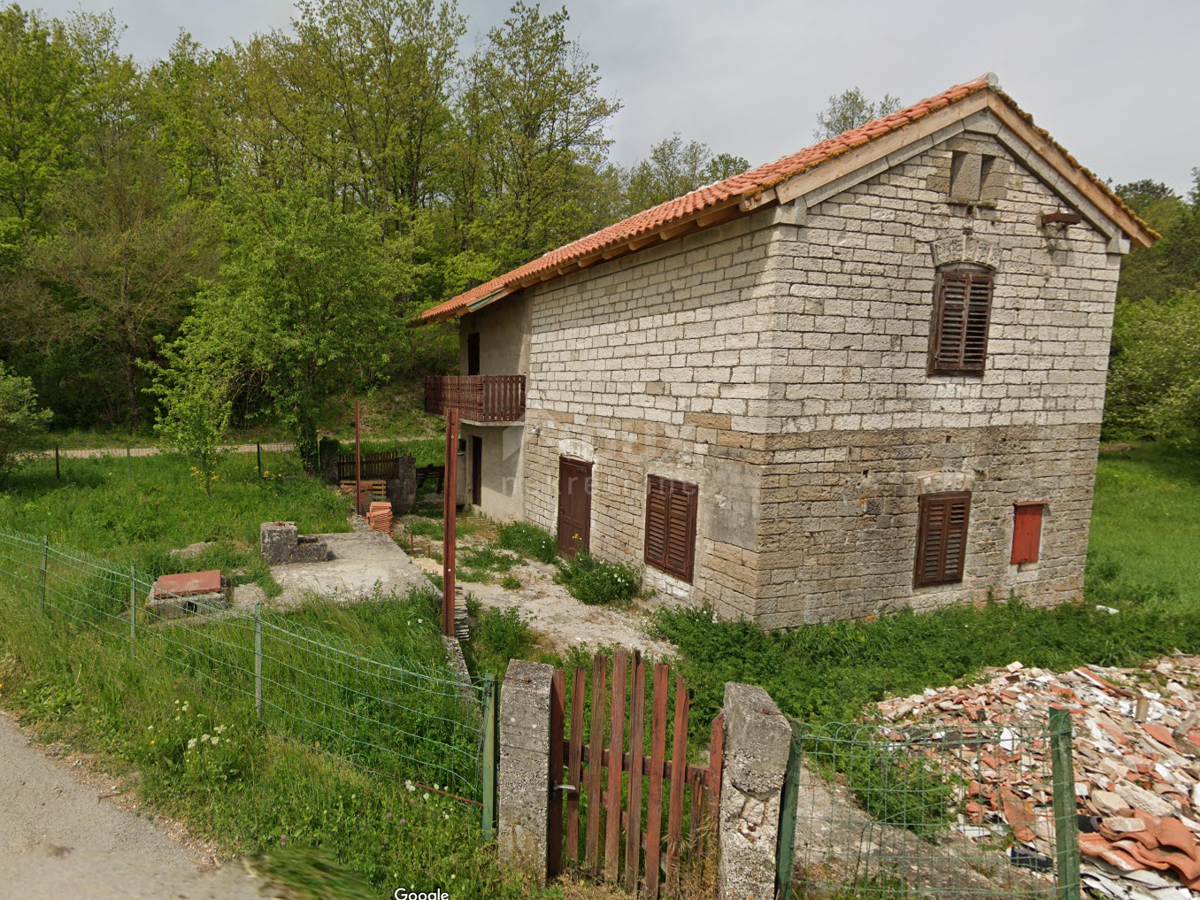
(135, 511)
(1143, 561)
(529, 541)
(1146, 519)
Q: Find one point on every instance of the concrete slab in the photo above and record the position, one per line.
(359, 562)
(188, 583)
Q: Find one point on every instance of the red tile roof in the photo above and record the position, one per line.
(747, 184)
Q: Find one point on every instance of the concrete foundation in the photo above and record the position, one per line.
(280, 544)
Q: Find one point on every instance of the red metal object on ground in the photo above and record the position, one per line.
(188, 583)
(449, 495)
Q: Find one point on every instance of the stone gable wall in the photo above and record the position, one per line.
(783, 369)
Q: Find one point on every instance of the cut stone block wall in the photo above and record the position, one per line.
(779, 362)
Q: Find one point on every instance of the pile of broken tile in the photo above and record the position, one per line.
(379, 517)
(1136, 759)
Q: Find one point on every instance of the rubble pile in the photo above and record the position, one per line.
(1136, 760)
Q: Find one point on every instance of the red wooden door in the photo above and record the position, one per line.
(574, 506)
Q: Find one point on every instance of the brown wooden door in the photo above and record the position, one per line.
(476, 470)
(574, 506)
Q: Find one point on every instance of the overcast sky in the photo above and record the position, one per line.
(1112, 80)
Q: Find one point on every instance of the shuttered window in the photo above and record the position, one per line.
(962, 309)
(942, 538)
(671, 526)
(1027, 532)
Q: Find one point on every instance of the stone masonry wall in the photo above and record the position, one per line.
(782, 367)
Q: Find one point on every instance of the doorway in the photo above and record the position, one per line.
(574, 506)
(476, 470)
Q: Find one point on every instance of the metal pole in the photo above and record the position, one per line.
(258, 660)
(1066, 836)
(132, 606)
(449, 493)
(490, 717)
(357, 465)
(45, 561)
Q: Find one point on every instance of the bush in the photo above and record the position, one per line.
(529, 540)
(501, 635)
(21, 422)
(591, 581)
(510, 583)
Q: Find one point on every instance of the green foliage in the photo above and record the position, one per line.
(481, 563)
(529, 541)
(1172, 264)
(1154, 376)
(674, 169)
(22, 424)
(850, 109)
(510, 583)
(500, 635)
(301, 308)
(593, 581)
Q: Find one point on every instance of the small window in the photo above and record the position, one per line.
(1027, 532)
(671, 526)
(962, 310)
(942, 538)
(473, 353)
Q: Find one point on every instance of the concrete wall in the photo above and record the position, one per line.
(779, 361)
(503, 337)
(502, 487)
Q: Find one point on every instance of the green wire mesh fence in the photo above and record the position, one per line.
(385, 714)
(887, 811)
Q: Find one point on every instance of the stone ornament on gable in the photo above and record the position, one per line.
(945, 482)
(966, 248)
(576, 449)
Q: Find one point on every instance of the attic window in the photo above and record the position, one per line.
(962, 310)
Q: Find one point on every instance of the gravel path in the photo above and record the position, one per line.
(60, 840)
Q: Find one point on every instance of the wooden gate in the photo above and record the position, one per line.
(574, 506)
(606, 786)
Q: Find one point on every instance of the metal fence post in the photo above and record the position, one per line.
(490, 760)
(132, 606)
(1066, 836)
(45, 566)
(258, 660)
(788, 805)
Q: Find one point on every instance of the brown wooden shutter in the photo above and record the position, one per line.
(1027, 532)
(962, 312)
(671, 525)
(942, 538)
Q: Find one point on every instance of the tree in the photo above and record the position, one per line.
(849, 110)
(1173, 263)
(21, 422)
(674, 169)
(532, 136)
(195, 405)
(302, 309)
(122, 268)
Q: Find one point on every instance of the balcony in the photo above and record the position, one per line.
(479, 398)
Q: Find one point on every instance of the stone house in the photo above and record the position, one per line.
(865, 377)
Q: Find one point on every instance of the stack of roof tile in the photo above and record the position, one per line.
(379, 517)
(1137, 766)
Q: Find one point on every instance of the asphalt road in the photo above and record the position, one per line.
(60, 841)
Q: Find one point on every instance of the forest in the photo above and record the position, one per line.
(238, 234)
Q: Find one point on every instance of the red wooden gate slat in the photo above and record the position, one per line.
(678, 772)
(637, 727)
(612, 847)
(595, 765)
(658, 754)
(558, 690)
(575, 761)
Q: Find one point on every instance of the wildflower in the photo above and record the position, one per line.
(204, 738)
(177, 718)
(152, 743)
(436, 786)
(149, 727)
(446, 815)
(283, 841)
(192, 744)
(452, 875)
(425, 796)
(404, 821)
(176, 702)
(420, 621)
(408, 786)
(214, 741)
(220, 729)
(389, 815)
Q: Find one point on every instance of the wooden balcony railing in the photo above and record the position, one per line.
(479, 398)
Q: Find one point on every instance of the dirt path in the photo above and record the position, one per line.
(59, 839)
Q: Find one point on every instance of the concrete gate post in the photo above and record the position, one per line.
(524, 786)
(757, 743)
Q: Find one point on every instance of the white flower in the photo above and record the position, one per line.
(420, 621)
(436, 786)
(149, 727)
(452, 876)
(425, 796)
(204, 738)
(177, 718)
(408, 786)
(445, 815)
(220, 729)
(714, 618)
(176, 702)
(214, 740)
(192, 744)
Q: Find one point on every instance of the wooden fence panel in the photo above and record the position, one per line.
(612, 848)
(558, 690)
(637, 727)
(658, 754)
(678, 774)
(595, 765)
(575, 761)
